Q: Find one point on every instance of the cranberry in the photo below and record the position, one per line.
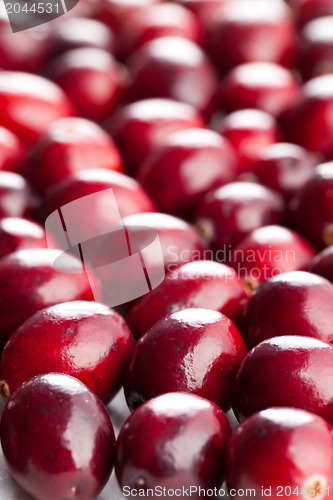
(281, 451)
(317, 47)
(309, 121)
(92, 79)
(115, 13)
(40, 103)
(29, 282)
(285, 168)
(245, 31)
(301, 302)
(312, 209)
(84, 339)
(190, 163)
(150, 447)
(68, 146)
(12, 151)
(249, 131)
(306, 10)
(286, 371)
(141, 127)
(20, 234)
(322, 264)
(16, 196)
(269, 251)
(228, 214)
(261, 85)
(51, 416)
(176, 68)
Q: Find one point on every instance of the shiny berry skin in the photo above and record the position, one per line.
(286, 371)
(322, 264)
(12, 151)
(69, 146)
(174, 440)
(20, 234)
(306, 10)
(174, 68)
(285, 168)
(92, 79)
(261, 85)
(316, 48)
(285, 449)
(312, 207)
(29, 282)
(300, 301)
(249, 131)
(245, 31)
(185, 168)
(194, 350)
(42, 428)
(30, 93)
(227, 214)
(269, 251)
(16, 197)
(142, 126)
(203, 284)
(86, 340)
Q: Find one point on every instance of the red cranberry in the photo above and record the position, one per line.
(260, 85)
(285, 168)
(269, 251)
(249, 131)
(190, 163)
(92, 79)
(141, 127)
(150, 447)
(193, 350)
(245, 31)
(29, 282)
(322, 264)
(301, 303)
(40, 103)
(16, 197)
(176, 68)
(51, 416)
(68, 146)
(309, 122)
(286, 371)
(115, 13)
(317, 48)
(281, 452)
(228, 214)
(306, 10)
(12, 151)
(312, 208)
(20, 234)
(84, 339)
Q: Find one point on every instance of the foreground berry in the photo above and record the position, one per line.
(282, 452)
(42, 430)
(322, 264)
(159, 444)
(193, 350)
(20, 234)
(16, 196)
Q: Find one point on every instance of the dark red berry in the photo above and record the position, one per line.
(322, 264)
(20, 234)
(316, 48)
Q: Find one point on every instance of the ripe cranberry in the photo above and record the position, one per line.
(306, 10)
(228, 214)
(12, 151)
(193, 350)
(249, 131)
(68, 146)
(176, 68)
(40, 103)
(84, 339)
(141, 127)
(50, 417)
(309, 122)
(92, 79)
(150, 447)
(312, 208)
(286, 371)
(301, 301)
(317, 47)
(260, 85)
(281, 451)
(285, 168)
(190, 163)
(322, 264)
(29, 282)
(115, 13)
(20, 234)
(245, 31)
(16, 196)
(269, 251)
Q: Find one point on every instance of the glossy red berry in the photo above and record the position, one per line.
(42, 430)
(322, 264)
(194, 350)
(12, 151)
(16, 197)
(185, 168)
(20, 234)
(159, 444)
(227, 214)
(281, 451)
(316, 48)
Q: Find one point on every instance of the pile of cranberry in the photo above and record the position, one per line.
(212, 122)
